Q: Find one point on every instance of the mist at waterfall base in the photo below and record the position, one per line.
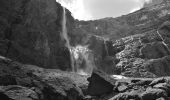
(81, 58)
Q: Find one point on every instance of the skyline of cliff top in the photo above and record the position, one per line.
(97, 9)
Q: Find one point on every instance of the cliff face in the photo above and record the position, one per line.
(135, 23)
(30, 32)
(137, 43)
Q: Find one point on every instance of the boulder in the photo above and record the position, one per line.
(153, 94)
(15, 92)
(100, 83)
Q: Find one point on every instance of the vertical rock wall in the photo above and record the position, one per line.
(30, 32)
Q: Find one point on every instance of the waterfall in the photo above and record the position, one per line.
(84, 60)
(163, 41)
(80, 56)
(66, 38)
(105, 46)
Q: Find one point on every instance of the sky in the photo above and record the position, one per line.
(97, 9)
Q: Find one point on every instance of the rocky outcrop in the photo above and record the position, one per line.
(19, 81)
(30, 32)
(145, 55)
(127, 89)
(138, 91)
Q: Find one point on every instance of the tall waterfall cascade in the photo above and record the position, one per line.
(81, 57)
(66, 38)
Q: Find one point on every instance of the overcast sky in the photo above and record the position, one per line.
(96, 9)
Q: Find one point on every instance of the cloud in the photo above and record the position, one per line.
(141, 4)
(77, 9)
(135, 9)
(148, 1)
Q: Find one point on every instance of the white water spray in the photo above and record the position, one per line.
(84, 60)
(66, 38)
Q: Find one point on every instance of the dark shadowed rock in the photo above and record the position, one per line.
(159, 67)
(7, 80)
(152, 94)
(4, 96)
(135, 80)
(100, 83)
(154, 50)
(108, 65)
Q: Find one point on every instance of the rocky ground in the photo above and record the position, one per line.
(28, 82)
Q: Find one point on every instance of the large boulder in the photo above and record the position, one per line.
(100, 83)
(152, 94)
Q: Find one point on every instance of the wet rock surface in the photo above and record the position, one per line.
(30, 33)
